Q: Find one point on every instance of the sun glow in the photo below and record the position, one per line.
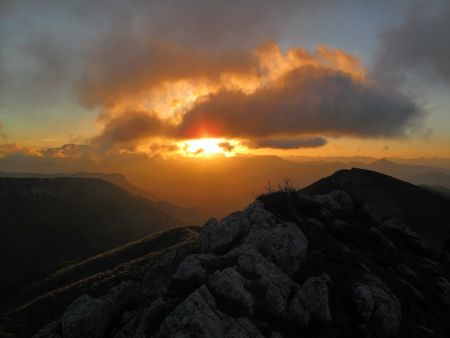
(208, 147)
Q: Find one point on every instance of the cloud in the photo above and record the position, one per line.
(294, 143)
(420, 44)
(128, 128)
(108, 78)
(304, 101)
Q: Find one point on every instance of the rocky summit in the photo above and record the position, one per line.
(289, 265)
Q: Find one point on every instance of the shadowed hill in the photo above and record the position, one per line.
(49, 223)
(195, 215)
(424, 212)
(94, 276)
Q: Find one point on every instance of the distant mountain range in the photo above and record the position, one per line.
(355, 254)
(195, 189)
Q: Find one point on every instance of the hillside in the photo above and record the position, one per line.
(194, 215)
(423, 211)
(49, 223)
(308, 263)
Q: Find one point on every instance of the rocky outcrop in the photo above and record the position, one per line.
(377, 306)
(91, 317)
(315, 266)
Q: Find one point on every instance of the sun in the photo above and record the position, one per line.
(207, 147)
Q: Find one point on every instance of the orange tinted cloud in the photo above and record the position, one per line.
(259, 94)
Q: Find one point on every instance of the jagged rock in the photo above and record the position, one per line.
(297, 312)
(344, 201)
(196, 316)
(382, 239)
(315, 298)
(218, 237)
(229, 285)
(432, 266)
(51, 330)
(397, 225)
(86, 317)
(241, 328)
(444, 286)
(405, 285)
(377, 305)
(157, 279)
(336, 202)
(257, 214)
(128, 324)
(122, 296)
(190, 271)
(276, 335)
(275, 283)
(286, 246)
(406, 271)
(90, 317)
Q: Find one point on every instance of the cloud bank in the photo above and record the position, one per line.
(186, 69)
(420, 44)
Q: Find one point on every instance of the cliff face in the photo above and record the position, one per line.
(288, 265)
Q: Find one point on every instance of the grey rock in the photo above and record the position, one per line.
(190, 271)
(218, 237)
(431, 266)
(257, 214)
(382, 239)
(344, 201)
(336, 202)
(241, 328)
(51, 330)
(286, 246)
(229, 285)
(86, 317)
(398, 225)
(297, 312)
(157, 279)
(196, 316)
(444, 286)
(406, 271)
(377, 305)
(122, 296)
(91, 317)
(275, 283)
(315, 298)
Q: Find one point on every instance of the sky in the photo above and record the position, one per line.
(199, 78)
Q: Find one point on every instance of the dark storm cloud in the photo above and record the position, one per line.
(293, 143)
(307, 100)
(128, 128)
(420, 44)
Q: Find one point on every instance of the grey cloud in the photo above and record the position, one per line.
(419, 45)
(290, 143)
(129, 128)
(307, 100)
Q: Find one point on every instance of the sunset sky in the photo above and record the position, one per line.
(202, 78)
